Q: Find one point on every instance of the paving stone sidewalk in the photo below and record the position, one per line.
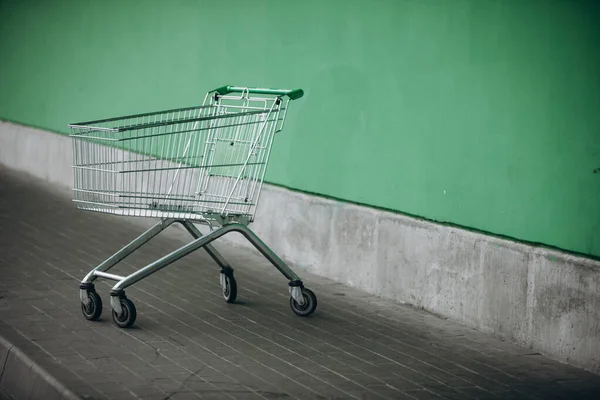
(189, 344)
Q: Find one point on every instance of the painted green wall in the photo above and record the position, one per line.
(481, 113)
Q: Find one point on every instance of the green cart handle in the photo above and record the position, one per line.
(292, 94)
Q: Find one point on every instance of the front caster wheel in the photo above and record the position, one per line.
(309, 306)
(127, 317)
(228, 286)
(93, 309)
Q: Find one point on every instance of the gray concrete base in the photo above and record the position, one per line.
(543, 299)
(47, 156)
(539, 298)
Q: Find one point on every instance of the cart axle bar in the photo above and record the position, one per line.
(106, 275)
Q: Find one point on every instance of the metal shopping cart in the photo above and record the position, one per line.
(202, 164)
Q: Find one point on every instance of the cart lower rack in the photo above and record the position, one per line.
(203, 164)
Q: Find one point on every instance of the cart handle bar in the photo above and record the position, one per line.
(292, 94)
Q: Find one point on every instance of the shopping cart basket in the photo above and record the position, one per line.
(202, 164)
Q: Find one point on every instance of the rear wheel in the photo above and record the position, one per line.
(128, 314)
(229, 287)
(93, 309)
(309, 306)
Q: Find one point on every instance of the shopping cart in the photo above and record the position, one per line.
(202, 164)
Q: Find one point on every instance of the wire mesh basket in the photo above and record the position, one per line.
(195, 163)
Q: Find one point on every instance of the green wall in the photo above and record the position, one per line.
(481, 113)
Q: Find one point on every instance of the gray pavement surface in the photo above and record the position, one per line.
(189, 344)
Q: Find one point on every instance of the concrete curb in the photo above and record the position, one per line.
(22, 378)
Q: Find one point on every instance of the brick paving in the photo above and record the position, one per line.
(188, 343)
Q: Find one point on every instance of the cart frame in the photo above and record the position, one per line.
(95, 188)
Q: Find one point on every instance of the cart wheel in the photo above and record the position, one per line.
(229, 288)
(94, 308)
(127, 318)
(309, 306)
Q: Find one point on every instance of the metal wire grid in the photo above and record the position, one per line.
(189, 163)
